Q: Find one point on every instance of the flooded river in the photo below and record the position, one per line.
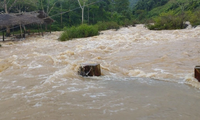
(147, 75)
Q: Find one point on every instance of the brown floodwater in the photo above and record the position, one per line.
(146, 75)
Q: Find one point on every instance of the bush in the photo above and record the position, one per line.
(194, 18)
(78, 32)
(55, 27)
(128, 22)
(107, 25)
(167, 21)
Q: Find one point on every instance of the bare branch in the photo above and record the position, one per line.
(5, 6)
(51, 8)
(12, 5)
(80, 4)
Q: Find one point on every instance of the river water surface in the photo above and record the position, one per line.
(147, 75)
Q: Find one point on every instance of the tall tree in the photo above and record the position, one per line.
(82, 6)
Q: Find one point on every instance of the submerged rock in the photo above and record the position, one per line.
(90, 70)
(197, 73)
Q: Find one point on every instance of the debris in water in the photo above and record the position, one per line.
(90, 70)
(197, 73)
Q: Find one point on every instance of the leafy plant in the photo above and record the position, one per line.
(167, 21)
(128, 22)
(83, 30)
(194, 18)
(107, 25)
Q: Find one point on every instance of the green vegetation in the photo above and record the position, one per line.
(194, 17)
(85, 30)
(128, 22)
(168, 14)
(133, 3)
(78, 32)
(109, 14)
(107, 25)
(167, 21)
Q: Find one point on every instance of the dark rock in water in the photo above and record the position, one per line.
(90, 70)
(197, 73)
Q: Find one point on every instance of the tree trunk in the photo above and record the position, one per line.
(82, 8)
(61, 19)
(5, 7)
(7, 31)
(6, 11)
(20, 30)
(88, 15)
(82, 15)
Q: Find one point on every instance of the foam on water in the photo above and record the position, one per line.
(40, 73)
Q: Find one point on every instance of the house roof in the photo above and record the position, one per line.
(24, 19)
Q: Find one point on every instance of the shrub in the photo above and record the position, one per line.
(55, 27)
(128, 22)
(194, 18)
(78, 32)
(101, 26)
(167, 21)
(107, 25)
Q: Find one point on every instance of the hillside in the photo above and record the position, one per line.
(176, 6)
(168, 14)
(154, 8)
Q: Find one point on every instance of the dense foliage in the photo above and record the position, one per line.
(109, 14)
(133, 3)
(78, 32)
(167, 21)
(107, 25)
(167, 14)
(149, 4)
(68, 12)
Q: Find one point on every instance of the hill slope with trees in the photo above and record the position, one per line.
(168, 14)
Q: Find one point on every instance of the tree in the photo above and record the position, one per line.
(82, 6)
(121, 5)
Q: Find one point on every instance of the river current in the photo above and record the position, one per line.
(146, 75)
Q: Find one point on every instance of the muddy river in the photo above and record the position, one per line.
(146, 75)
